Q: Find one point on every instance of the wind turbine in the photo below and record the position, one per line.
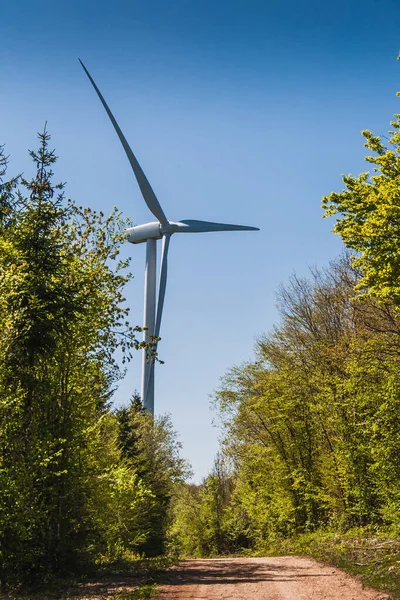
(162, 229)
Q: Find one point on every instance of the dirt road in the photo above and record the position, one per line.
(283, 578)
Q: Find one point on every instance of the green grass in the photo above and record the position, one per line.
(143, 592)
(146, 567)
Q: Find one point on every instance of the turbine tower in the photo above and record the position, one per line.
(162, 229)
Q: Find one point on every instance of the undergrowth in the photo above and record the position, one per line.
(146, 572)
(144, 592)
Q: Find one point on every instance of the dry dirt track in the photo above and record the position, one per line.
(283, 578)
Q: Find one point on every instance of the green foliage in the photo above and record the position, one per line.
(144, 591)
(150, 447)
(70, 495)
(311, 426)
(207, 521)
(369, 210)
(187, 527)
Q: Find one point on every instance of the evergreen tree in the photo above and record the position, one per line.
(62, 317)
(151, 447)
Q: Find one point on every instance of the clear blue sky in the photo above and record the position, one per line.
(239, 111)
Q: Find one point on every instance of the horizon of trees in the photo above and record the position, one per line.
(311, 426)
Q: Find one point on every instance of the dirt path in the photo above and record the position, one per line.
(283, 578)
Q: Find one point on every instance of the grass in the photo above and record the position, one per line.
(143, 592)
(144, 567)
(374, 557)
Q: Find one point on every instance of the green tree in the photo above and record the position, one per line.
(369, 211)
(152, 449)
(7, 189)
(302, 420)
(63, 317)
(187, 529)
(311, 426)
(207, 521)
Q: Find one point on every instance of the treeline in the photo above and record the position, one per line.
(312, 425)
(80, 484)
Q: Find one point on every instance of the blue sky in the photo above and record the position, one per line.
(243, 112)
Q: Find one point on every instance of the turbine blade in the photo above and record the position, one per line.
(161, 297)
(192, 226)
(145, 187)
(163, 282)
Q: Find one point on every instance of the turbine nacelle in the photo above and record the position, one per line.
(142, 233)
(150, 231)
(154, 230)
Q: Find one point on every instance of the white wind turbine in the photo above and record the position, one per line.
(150, 233)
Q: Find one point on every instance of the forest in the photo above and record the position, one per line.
(81, 483)
(311, 426)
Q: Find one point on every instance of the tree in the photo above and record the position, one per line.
(308, 424)
(369, 222)
(208, 518)
(151, 447)
(62, 317)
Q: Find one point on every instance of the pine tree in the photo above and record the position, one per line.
(63, 317)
